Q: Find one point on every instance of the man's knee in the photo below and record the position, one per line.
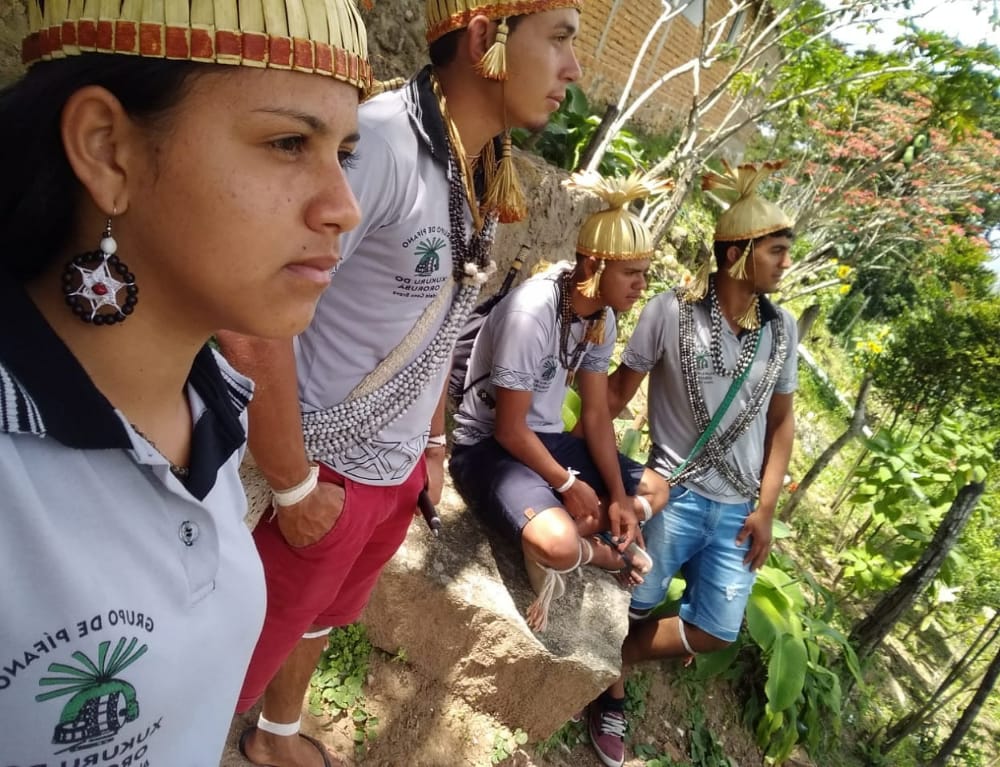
(551, 538)
(701, 641)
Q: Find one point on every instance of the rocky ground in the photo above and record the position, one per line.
(424, 722)
(421, 725)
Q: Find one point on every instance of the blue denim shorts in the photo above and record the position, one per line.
(696, 536)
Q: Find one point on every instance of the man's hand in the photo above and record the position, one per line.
(581, 502)
(758, 527)
(304, 523)
(623, 522)
(434, 458)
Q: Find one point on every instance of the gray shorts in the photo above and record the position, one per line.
(506, 494)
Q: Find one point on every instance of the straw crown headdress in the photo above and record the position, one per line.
(318, 36)
(614, 233)
(444, 16)
(748, 217)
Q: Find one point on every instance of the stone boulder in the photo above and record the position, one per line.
(455, 606)
(13, 28)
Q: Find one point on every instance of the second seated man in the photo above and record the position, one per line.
(512, 462)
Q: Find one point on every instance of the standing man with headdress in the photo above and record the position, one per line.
(551, 491)
(348, 425)
(722, 363)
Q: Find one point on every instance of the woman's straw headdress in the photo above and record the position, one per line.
(324, 37)
(615, 233)
(748, 216)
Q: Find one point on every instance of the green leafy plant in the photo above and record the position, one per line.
(337, 684)
(788, 651)
(905, 485)
(636, 692)
(506, 744)
(651, 757)
(568, 132)
(705, 749)
(564, 739)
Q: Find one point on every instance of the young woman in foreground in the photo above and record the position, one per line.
(147, 201)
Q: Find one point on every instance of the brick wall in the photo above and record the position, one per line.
(612, 32)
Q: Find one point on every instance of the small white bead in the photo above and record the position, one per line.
(108, 245)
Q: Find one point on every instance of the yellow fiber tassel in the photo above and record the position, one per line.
(591, 287)
(698, 288)
(493, 64)
(738, 271)
(503, 192)
(595, 330)
(749, 319)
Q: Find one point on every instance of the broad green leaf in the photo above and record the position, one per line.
(786, 672)
(714, 663)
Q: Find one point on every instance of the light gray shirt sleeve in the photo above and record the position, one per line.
(646, 345)
(519, 351)
(788, 379)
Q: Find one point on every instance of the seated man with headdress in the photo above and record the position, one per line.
(551, 491)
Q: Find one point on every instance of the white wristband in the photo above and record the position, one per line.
(437, 440)
(647, 510)
(569, 482)
(297, 494)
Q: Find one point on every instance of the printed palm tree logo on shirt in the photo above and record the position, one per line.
(428, 252)
(701, 359)
(101, 704)
(549, 368)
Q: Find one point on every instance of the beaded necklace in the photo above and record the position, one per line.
(569, 360)
(716, 452)
(748, 343)
(181, 472)
(458, 155)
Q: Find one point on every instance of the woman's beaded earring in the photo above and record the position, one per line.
(99, 288)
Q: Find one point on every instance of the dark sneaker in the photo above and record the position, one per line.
(607, 734)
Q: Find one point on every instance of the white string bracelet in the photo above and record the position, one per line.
(569, 482)
(297, 494)
(437, 440)
(647, 510)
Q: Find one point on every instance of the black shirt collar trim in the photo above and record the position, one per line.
(46, 392)
(425, 114)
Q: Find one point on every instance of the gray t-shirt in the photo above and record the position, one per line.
(654, 348)
(393, 266)
(518, 348)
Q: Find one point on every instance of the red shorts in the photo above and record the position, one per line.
(327, 583)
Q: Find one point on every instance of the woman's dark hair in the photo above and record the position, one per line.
(720, 248)
(40, 193)
(443, 50)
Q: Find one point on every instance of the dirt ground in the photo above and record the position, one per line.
(421, 725)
